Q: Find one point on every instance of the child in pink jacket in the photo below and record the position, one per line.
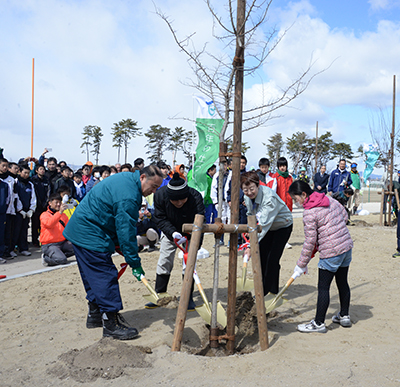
(325, 228)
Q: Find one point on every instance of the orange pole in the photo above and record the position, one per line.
(33, 95)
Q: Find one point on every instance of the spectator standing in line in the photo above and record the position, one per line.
(66, 179)
(138, 164)
(164, 170)
(339, 179)
(284, 180)
(93, 179)
(126, 167)
(266, 177)
(42, 191)
(79, 186)
(118, 167)
(302, 176)
(26, 193)
(86, 173)
(321, 179)
(5, 197)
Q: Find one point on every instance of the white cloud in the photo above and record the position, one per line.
(377, 5)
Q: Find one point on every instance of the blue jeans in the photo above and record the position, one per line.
(333, 263)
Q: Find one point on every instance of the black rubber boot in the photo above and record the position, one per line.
(162, 282)
(94, 316)
(152, 245)
(113, 326)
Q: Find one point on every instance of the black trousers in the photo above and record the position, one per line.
(20, 237)
(36, 224)
(271, 250)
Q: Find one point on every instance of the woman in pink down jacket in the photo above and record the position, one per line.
(325, 229)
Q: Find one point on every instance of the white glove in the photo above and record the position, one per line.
(23, 213)
(29, 214)
(65, 199)
(178, 238)
(298, 271)
(74, 202)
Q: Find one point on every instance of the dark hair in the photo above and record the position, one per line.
(55, 196)
(127, 165)
(50, 159)
(62, 162)
(86, 166)
(63, 188)
(343, 160)
(37, 166)
(281, 162)
(349, 191)
(138, 161)
(212, 168)
(151, 171)
(298, 187)
(24, 166)
(243, 157)
(113, 169)
(78, 174)
(247, 178)
(263, 161)
(104, 168)
(162, 165)
(11, 163)
(65, 168)
(3, 160)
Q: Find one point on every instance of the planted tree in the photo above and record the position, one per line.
(96, 135)
(87, 140)
(275, 148)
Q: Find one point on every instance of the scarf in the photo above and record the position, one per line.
(24, 181)
(4, 175)
(78, 188)
(283, 174)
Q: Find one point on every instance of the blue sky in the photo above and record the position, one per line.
(98, 62)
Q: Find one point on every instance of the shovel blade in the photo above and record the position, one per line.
(152, 298)
(205, 313)
(270, 305)
(247, 287)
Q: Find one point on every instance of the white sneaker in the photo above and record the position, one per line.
(288, 246)
(25, 253)
(13, 254)
(344, 321)
(44, 263)
(2, 260)
(312, 326)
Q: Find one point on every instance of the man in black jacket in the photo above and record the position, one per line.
(65, 179)
(174, 205)
(42, 191)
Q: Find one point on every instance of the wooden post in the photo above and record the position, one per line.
(258, 283)
(33, 99)
(382, 204)
(238, 64)
(187, 282)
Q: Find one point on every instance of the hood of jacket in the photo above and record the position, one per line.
(316, 199)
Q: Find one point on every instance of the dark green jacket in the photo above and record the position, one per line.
(107, 217)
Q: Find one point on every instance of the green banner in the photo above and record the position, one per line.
(207, 151)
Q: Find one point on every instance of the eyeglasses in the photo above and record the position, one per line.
(249, 189)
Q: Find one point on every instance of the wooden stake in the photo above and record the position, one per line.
(33, 96)
(187, 283)
(392, 153)
(258, 283)
(382, 204)
(316, 149)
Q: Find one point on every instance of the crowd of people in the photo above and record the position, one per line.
(97, 210)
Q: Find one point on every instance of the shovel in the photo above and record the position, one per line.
(204, 310)
(244, 284)
(272, 301)
(153, 296)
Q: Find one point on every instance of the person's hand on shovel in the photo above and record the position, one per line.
(138, 272)
(247, 252)
(298, 271)
(178, 238)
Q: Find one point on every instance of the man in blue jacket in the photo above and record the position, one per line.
(107, 218)
(340, 178)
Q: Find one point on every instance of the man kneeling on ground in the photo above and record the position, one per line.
(55, 248)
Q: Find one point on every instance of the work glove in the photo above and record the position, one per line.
(138, 272)
(23, 213)
(74, 202)
(178, 238)
(298, 271)
(29, 214)
(65, 199)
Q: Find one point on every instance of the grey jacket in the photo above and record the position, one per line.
(270, 210)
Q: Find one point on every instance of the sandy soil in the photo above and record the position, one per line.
(44, 341)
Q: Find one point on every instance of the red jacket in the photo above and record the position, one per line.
(283, 184)
(52, 225)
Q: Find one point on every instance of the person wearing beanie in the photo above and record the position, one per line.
(174, 204)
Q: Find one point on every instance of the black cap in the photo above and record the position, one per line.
(177, 188)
